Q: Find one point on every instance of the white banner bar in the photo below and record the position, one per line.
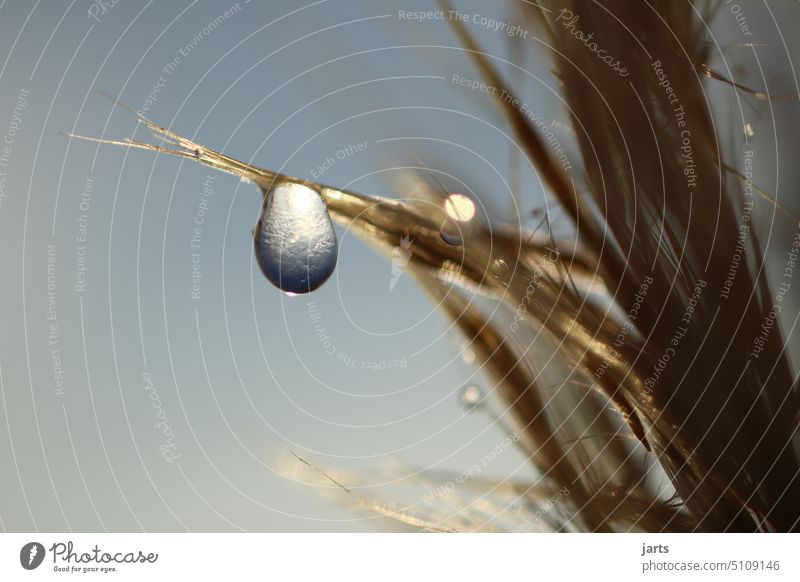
(401, 557)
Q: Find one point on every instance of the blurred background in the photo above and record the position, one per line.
(150, 377)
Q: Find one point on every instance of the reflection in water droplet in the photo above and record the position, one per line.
(471, 397)
(295, 244)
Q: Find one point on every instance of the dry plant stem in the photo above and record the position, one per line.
(374, 507)
(498, 264)
(501, 264)
(592, 233)
(535, 148)
(484, 264)
(518, 387)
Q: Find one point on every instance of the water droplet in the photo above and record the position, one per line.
(468, 355)
(295, 243)
(450, 238)
(471, 397)
(459, 207)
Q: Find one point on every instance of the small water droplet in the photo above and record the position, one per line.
(295, 243)
(468, 355)
(471, 397)
(452, 239)
(459, 207)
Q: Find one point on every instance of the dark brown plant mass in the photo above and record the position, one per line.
(703, 365)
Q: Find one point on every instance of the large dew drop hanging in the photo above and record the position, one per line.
(294, 240)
